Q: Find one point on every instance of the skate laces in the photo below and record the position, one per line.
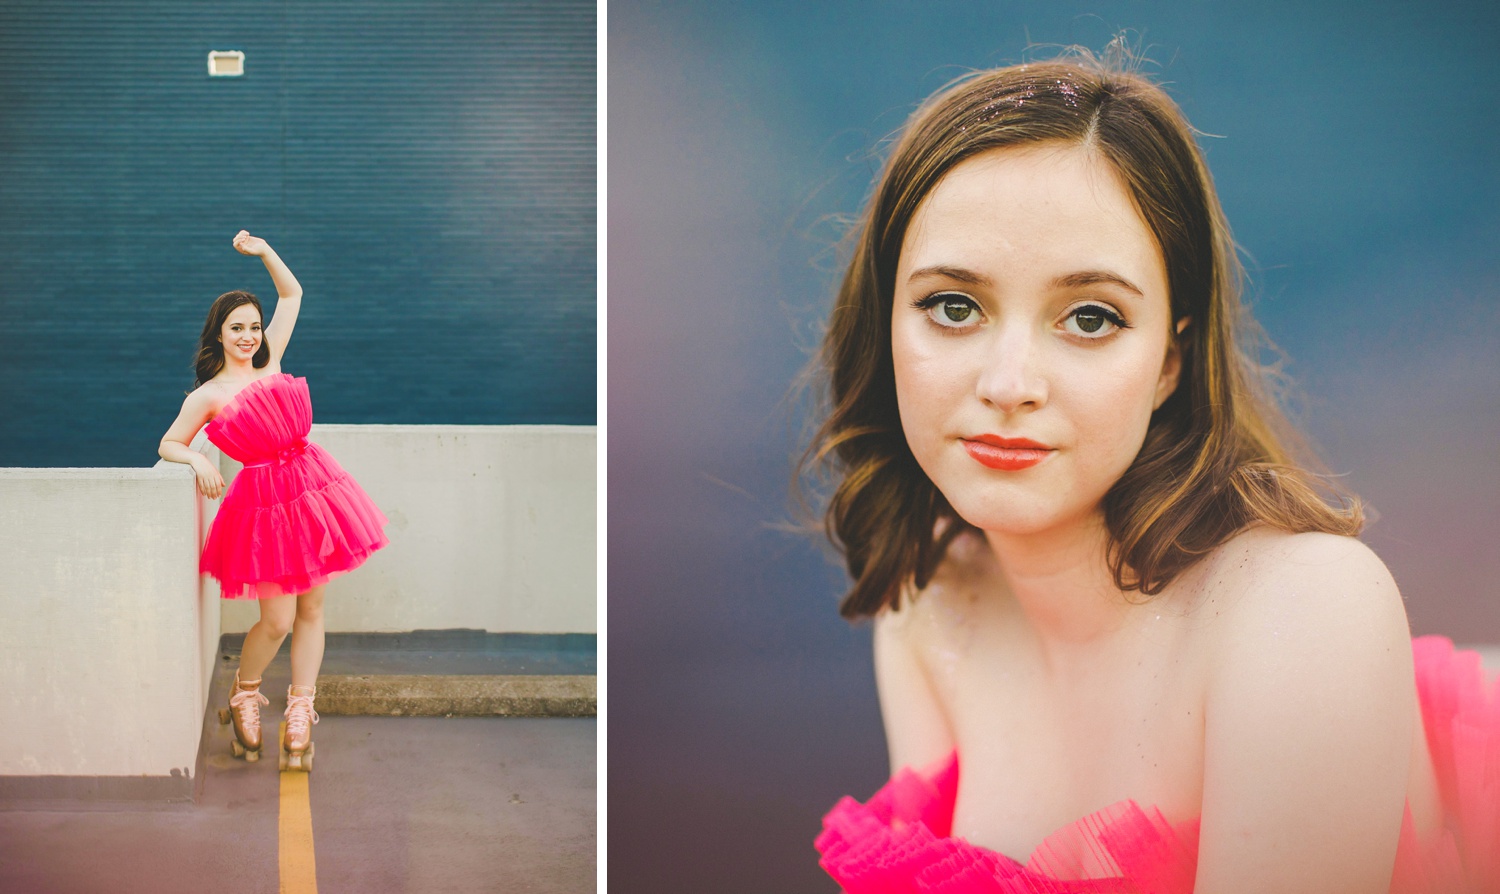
(299, 708)
(244, 704)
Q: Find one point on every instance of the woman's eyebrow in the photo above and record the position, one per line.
(962, 274)
(1067, 281)
(1094, 278)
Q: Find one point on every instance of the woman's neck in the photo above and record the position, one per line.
(237, 370)
(1061, 581)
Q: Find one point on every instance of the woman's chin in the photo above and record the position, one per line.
(1011, 524)
(1018, 521)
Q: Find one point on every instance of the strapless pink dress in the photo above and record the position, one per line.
(292, 517)
(899, 841)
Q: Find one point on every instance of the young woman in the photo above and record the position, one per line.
(1121, 633)
(292, 518)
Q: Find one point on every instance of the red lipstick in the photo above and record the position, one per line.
(1006, 454)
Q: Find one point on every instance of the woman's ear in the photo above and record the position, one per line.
(1171, 367)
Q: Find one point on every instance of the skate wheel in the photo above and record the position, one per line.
(223, 716)
(252, 756)
(307, 758)
(236, 747)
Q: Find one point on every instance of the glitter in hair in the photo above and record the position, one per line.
(1069, 92)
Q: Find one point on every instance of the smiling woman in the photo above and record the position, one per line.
(1122, 631)
(291, 520)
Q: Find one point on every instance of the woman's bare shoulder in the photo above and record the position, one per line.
(206, 396)
(925, 632)
(216, 393)
(211, 396)
(1266, 567)
(1309, 700)
(1268, 593)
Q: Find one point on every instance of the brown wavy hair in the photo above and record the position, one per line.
(1218, 455)
(210, 357)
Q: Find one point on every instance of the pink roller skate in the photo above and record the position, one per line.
(297, 746)
(244, 710)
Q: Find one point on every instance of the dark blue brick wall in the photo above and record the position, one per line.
(426, 169)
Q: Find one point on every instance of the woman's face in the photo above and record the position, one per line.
(1031, 335)
(241, 333)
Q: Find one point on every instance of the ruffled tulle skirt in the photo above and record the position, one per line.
(899, 842)
(290, 525)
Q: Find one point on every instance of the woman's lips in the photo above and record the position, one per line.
(1006, 454)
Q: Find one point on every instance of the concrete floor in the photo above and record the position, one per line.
(399, 804)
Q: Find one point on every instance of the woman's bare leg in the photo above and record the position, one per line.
(307, 638)
(263, 640)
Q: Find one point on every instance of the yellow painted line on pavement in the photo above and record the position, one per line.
(299, 867)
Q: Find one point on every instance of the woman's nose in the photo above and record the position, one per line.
(1012, 377)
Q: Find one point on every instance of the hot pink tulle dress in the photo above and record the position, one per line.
(292, 517)
(898, 842)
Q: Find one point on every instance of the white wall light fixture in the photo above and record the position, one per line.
(226, 63)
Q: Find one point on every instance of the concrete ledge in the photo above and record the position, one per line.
(442, 652)
(491, 527)
(102, 629)
(518, 695)
(67, 792)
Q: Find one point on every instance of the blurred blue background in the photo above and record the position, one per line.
(427, 170)
(1353, 145)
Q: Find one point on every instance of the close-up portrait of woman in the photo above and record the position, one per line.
(1133, 373)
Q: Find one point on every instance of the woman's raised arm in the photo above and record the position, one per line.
(288, 292)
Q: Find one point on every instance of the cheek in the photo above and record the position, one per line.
(930, 377)
(1113, 409)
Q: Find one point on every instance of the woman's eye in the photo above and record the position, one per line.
(950, 309)
(1093, 321)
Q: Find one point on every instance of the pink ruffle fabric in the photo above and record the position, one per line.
(1461, 714)
(292, 517)
(899, 842)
